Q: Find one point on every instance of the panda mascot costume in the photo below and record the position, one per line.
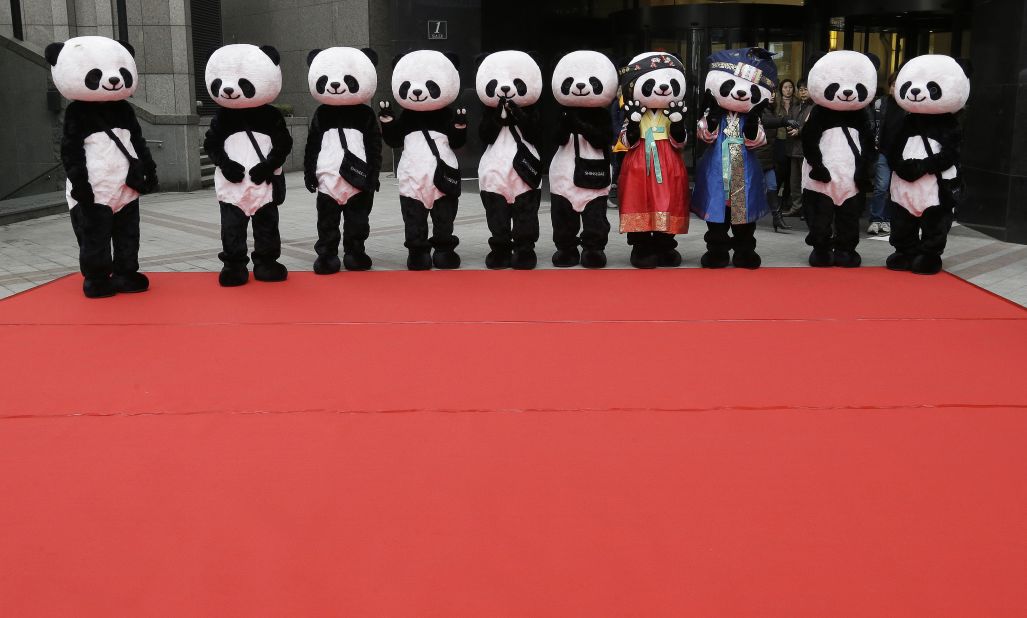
(509, 84)
(730, 193)
(838, 145)
(248, 142)
(105, 158)
(343, 154)
(926, 185)
(424, 83)
(584, 84)
(653, 183)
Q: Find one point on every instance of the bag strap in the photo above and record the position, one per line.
(516, 135)
(577, 151)
(431, 144)
(256, 147)
(852, 143)
(117, 142)
(342, 138)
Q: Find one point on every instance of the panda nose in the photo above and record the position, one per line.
(229, 91)
(740, 93)
(847, 93)
(914, 91)
(114, 81)
(417, 92)
(580, 85)
(664, 87)
(335, 85)
(505, 89)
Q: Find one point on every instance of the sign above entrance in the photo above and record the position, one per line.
(437, 30)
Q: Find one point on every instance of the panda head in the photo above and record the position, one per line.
(661, 84)
(932, 84)
(741, 79)
(585, 79)
(93, 68)
(239, 76)
(512, 75)
(342, 75)
(425, 80)
(843, 80)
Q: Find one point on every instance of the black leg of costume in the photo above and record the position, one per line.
(356, 228)
(524, 213)
(566, 223)
(443, 216)
(743, 242)
(125, 238)
(846, 231)
(643, 250)
(935, 223)
(820, 212)
(329, 213)
(905, 236)
(665, 246)
(267, 245)
(93, 225)
(499, 217)
(718, 245)
(595, 233)
(415, 223)
(233, 246)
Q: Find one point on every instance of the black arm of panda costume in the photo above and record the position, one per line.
(714, 112)
(315, 135)
(812, 131)
(457, 134)
(214, 146)
(393, 127)
(145, 159)
(73, 154)
(632, 127)
(945, 132)
(751, 130)
(491, 124)
(281, 146)
(372, 143)
(868, 152)
(528, 121)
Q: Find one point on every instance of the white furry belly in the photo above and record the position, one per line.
(107, 168)
(329, 160)
(496, 173)
(840, 161)
(561, 174)
(416, 169)
(922, 193)
(247, 195)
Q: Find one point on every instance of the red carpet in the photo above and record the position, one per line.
(787, 442)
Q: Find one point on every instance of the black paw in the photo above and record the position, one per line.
(669, 259)
(820, 174)
(270, 272)
(746, 259)
(524, 259)
(98, 287)
(899, 261)
(498, 259)
(232, 276)
(446, 259)
(327, 264)
(130, 283)
(846, 259)
(643, 257)
(356, 261)
(565, 258)
(715, 259)
(419, 259)
(593, 258)
(821, 258)
(926, 264)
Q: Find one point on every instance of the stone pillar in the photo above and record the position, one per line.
(160, 32)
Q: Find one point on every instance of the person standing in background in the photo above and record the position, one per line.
(797, 115)
(619, 150)
(773, 123)
(886, 116)
(782, 162)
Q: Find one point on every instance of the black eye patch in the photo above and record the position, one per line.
(522, 88)
(905, 87)
(215, 88)
(351, 83)
(862, 92)
(404, 88)
(934, 90)
(93, 79)
(247, 88)
(675, 87)
(126, 76)
(597, 86)
(322, 82)
(565, 87)
(433, 89)
(490, 88)
(727, 87)
(757, 94)
(831, 91)
(647, 87)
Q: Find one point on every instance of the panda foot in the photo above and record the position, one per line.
(926, 264)
(643, 257)
(497, 260)
(231, 277)
(565, 258)
(356, 261)
(899, 261)
(270, 272)
(419, 259)
(98, 287)
(593, 258)
(821, 258)
(715, 259)
(846, 259)
(747, 259)
(327, 264)
(524, 259)
(445, 259)
(669, 259)
(130, 283)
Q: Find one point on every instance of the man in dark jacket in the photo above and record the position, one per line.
(886, 116)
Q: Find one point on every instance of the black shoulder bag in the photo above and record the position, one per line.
(953, 188)
(862, 176)
(447, 177)
(353, 170)
(590, 173)
(277, 180)
(526, 164)
(135, 179)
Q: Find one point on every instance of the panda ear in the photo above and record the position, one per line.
(371, 54)
(128, 46)
(313, 54)
(272, 53)
(814, 57)
(395, 59)
(964, 63)
(455, 59)
(761, 53)
(875, 60)
(480, 58)
(53, 50)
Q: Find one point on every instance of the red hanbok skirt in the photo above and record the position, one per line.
(650, 206)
